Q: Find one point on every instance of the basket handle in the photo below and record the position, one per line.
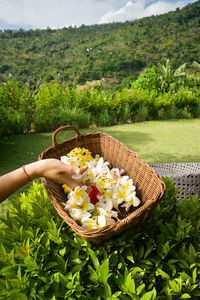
(67, 127)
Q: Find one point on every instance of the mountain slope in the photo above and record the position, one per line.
(115, 50)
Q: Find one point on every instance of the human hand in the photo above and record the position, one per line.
(56, 170)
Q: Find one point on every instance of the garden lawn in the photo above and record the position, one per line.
(154, 142)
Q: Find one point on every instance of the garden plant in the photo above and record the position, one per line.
(42, 258)
(159, 93)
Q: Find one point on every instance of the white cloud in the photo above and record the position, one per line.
(58, 13)
(141, 8)
(52, 13)
(161, 7)
(131, 10)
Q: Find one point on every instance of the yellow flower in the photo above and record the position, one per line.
(82, 155)
(66, 189)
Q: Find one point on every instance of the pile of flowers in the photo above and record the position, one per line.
(97, 205)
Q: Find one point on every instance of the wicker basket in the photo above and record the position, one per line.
(186, 177)
(149, 187)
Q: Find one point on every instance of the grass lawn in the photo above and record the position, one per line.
(155, 142)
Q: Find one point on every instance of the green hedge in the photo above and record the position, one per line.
(55, 104)
(42, 258)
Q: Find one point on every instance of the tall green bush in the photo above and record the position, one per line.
(54, 104)
(4, 121)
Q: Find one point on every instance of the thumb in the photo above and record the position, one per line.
(79, 171)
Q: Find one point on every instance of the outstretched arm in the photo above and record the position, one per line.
(50, 168)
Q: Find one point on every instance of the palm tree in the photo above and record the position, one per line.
(169, 77)
(166, 75)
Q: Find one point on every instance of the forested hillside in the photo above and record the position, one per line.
(116, 50)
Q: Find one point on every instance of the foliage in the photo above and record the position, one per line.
(158, 93)
(42, 258)
(116, 50)
(150, 79)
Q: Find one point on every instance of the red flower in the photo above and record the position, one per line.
(60, 84)
(83, 89)
(93, 194)
(29, 90)
(10, 90)
(185, 100)
(92, 90)
(97, 106)
(133, 95)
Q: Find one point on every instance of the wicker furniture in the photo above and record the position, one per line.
(186, 177)
(149, 186)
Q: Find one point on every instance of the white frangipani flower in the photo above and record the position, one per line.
(134, 201)
(89, 223)
(104, 220)
(108, 192)
(68, 160)
(120, 195)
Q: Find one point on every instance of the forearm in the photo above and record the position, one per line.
(49, 168)
(11, 182)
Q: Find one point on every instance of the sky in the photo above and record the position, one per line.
(40, 14)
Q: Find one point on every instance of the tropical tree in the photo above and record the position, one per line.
(170, 78)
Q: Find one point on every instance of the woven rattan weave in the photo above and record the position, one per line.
(186, 177)
(149, 186)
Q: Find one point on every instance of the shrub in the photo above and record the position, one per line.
(172, 113)
(11, 122)
(16, 122)
(42, 258)
(46, 120)
(125, 113)
(104, 118)
(55, 104)
(74, 116)
(149, 80)
(196, 113)
(4, 121)
(185, 114)
(142, 113)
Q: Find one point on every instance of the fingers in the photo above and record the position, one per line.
(73, 170)
(69, 181)
(74, 183)
(62, 173)
(81, 171)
